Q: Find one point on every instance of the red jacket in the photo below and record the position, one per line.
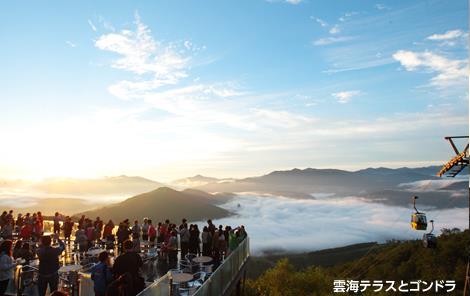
(26, 231)
(152, 231)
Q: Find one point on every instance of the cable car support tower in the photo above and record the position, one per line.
(451, 169)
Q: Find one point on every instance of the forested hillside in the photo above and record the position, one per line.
(397, 261)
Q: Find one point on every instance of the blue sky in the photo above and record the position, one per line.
(167, 89)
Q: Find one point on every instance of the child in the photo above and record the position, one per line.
(101, 274)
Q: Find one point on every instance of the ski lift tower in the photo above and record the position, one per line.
(451, 169)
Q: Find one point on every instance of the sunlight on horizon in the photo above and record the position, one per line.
(131, 92)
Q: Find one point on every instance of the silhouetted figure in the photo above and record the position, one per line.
(127, 268)
(7, 265)
(49, 264)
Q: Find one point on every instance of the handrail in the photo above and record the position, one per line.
(158, 288)
(217, 284)
(222, 279)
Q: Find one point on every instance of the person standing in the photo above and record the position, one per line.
(81, 222)
(172, 247)
(7, 230)
(130, 263)
(57, 219)
(122, 235)
(101, 274)
(98, 224)
(3, 218)
(206, 238)
(108, 234)
(165, 231)
(49, 264)
(136, 230)
(211, 227)
(152, 233)
(26, 231)
(81, 240)
(19, 222)
(68, 226)
(145, 230)
(194, 240)
(90, 233)
(184, 238)
(40, 223)
(6, 265)
(233, 239)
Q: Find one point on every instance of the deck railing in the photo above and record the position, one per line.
(223, 278)
(217, 284)
(158, 288)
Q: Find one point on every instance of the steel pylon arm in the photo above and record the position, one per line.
(458, 162)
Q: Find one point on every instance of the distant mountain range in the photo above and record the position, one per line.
(195, 181)
(163, 203)
(383, 185)
(198, 180)
(299, 182)
(376, 184)
(122, 185)
(48, 206)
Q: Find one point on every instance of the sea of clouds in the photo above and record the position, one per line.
(283, 224)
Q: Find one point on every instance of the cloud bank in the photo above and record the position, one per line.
(277, 223)
(447, 72)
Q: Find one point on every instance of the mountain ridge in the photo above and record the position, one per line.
(160, 204)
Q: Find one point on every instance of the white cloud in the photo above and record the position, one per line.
(141, 54)
(320, 21)
(447, 72)
(282, 119)
(71, 44)
(107, 25)
(345, 96)
(277, 223)
(187, 44)
(430, 185)
(335, 29)
(246, 123)
(92, 26)
(347, 16)
(331, 40)
(200, 103)
(380, 6)
(452, 34)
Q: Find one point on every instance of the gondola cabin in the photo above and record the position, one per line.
(418, 219)
(429, 239)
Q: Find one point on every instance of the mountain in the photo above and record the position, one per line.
(48, 206)
(327, 257)
(428, 171)
(163, 203)
(121, 185)
(198, 180)
(456, 185)
(382, 185)
(302, 183)
(439, 199)
(194, 181)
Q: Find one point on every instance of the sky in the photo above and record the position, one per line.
(169, 89)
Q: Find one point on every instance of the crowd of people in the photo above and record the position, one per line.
(166, 237)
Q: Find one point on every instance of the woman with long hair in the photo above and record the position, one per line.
(6, 265)
(17, 249)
